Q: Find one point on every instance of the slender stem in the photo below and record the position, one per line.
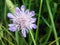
(30, 30)
(48, 36)
(15, 2)
(16, 34)
(32, 37)
(52, 22)
(49, 32)
(5, 11)
(54, 41)
(23, 2)
(38, 20)
(46, 22)
(26, 3)
(29, 4)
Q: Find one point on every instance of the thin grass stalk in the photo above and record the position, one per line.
(49, 33)
(54, 41)
(41, 1)
(32, 37)
(31, 30)
(52, 21)
(17, 37)
(23, 2)
(5, 10)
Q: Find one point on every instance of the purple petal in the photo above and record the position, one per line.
(24, 33)
(12, 29)
(17, 11)
(33, 20)
(33, 26)
(32, 13)
(11, 25)
(27, 11)
(27, 30)
(22, 8)
(10, 15)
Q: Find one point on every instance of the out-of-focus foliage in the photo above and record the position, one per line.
(45, 32)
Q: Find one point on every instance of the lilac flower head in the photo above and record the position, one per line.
(22, 20)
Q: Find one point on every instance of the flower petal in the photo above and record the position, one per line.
(11, 25)
(32, 13)
(10, 15)
(33, 20)
(17, 10)
(12, 29)
(33, 26)
(22, 8)
(27, 11)
(24, 33)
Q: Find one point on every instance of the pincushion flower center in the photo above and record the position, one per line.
(22, 20)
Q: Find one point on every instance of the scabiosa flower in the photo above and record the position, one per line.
(22, 20)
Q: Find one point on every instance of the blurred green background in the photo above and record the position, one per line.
(48, 23)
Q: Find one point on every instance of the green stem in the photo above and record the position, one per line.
(30, 30)
(45, 21)
(15, 2)
(47, 37)
(38, 20)
(5, 10)
(16, 34)
(23, 3)
(26, 3)
(49, 33)
(29, 4)
(54, 41)
(32, 37)
(52, 22)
